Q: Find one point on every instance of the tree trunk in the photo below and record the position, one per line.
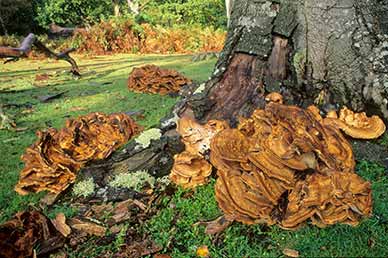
(116, 8)
(229, 7)
(330, 53)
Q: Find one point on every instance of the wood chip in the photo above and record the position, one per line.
(60, 224)
(87, 227)
(291, 253)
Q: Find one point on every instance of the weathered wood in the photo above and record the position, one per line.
(25, 49)
(58, 31)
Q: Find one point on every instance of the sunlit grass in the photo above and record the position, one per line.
(102, 88)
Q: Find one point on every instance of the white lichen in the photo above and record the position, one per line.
(135, 180)
(200, 89)
(145, 138)
(84, 188)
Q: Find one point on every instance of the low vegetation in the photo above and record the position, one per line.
(103, 87)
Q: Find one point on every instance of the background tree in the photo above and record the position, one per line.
(16, 16)
(71, 13)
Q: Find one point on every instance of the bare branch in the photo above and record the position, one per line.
(25, 49)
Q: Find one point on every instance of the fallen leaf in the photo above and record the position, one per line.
(216, 226)
(49, 199)
(60, 224)
(116, 229)
(48, 98)
(139, 249)
(139, 204)
(42, 77)
(291, 253)
(87, 227)
(20, 129)
(74, 109)
(203, 251)
(161, 256)
(102, 209)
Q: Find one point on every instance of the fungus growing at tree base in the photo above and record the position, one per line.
(284, 165)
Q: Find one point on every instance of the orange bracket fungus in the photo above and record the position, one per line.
(190, 167)
(153, 79)
(356, 125)
(284, 165)
(53, 161)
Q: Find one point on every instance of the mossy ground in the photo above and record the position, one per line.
(103, 88)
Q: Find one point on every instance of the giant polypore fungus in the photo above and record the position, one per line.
(53, 161)
(153, 79)
(190, 167)
(190, 170)
(20, 235)
(284, 165)
(356, 125)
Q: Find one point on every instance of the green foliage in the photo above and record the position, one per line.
(16, 16)
(188, 12)
(61, 208)
(71, 12)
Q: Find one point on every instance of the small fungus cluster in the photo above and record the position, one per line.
(190, 167)
(153, 79)
(53, 161)
(286, 165)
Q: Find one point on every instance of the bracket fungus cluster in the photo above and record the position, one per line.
(53, 161)
(285, 165)
(191, 167)
(153, 79)
(356, 125)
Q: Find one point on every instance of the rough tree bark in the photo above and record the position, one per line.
(330, 53)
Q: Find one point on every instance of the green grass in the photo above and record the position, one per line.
(173, 227)
(103, 88)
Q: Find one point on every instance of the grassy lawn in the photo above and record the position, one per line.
(103, 88)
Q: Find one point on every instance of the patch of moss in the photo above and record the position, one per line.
(135, 180)
(84, 188)
(145, 138)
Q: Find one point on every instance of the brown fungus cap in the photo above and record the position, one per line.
(285, 154)
(190, 170)
(329, 199)
(190, 167)
(153, 79)
(357, 125)
(51, 164)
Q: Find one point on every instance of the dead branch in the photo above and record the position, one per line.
(58, 31)
(25, 48)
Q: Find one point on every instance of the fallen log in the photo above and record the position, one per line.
(26, 46)
(58, 31)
